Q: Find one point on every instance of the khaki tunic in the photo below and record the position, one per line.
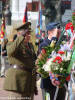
(20, 80)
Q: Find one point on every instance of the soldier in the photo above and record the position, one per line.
(20, 78)
(46, 84)
(52, 11)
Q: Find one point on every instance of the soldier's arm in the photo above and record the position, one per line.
(12, 47)
(40, 56)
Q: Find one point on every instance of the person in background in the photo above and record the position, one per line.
(43, 35)
(39, 41)
(20, 78)
(4, 57)
(0, 54)
(47, 85)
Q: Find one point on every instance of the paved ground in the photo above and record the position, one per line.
(3, 93)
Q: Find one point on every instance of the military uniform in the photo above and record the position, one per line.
(20, 77)
(46, 84)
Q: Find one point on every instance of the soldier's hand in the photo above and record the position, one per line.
(23, 33)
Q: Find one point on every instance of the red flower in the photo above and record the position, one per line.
(61, 52)
(69, 26)
(58, 59)
(43, 51)
(68, 78)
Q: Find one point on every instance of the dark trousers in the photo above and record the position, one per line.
(61, 94)
(48, 87)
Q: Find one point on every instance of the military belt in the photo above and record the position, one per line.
(22, 68)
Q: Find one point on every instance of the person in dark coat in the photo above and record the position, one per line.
(46, 84)
(4, 57)
(20, 78)
(39, 41)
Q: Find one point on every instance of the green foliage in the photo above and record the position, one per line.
(60, 68)
(45, 57)
(49, 50)
(43, 73)
(72, 59)
(43, 61)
